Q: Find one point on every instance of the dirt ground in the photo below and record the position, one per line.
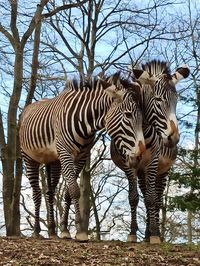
(29, 251)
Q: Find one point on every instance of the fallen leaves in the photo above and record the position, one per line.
(28, 251)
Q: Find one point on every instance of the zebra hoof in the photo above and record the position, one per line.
(132, 238)
(155, 240)
(81, 237)
(65, 235)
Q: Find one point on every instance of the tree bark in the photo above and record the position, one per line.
(11, 158)
(35, 63)
(189, 227)
(85, 196)
(96, 216)
(11, 177)
(163, 223)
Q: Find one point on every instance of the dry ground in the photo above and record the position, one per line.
(28, 251)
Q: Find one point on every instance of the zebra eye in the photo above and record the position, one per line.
(128, 114)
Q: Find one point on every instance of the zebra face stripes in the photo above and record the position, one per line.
(124, 125)
(160, 97)
(158, 108)
(60, 133)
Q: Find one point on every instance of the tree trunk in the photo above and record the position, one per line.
(85, 196)
(98, 226)
(11, 160)
(189, 227)
(163, 223)
(35, 63)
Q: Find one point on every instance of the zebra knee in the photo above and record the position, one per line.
(150, 201)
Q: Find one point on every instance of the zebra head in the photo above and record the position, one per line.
(160, 98)
(124, 121)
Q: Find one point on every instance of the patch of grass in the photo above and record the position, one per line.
(191, 247)
(166, 248)
(169, 248)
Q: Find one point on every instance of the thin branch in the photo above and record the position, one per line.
(7, 35)
(2, 134)
(34, 21)
(64, 7)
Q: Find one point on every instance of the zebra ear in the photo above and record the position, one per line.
(114, 93)
(139, 73)
(111, 90)
(100, 75)
(143, 76)
(104, 83)
(181, 73)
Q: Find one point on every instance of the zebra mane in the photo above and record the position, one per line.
(117, 80)
(76, 84)
(156, 68)
(91, 82)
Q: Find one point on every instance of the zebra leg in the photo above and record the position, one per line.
(142, 185)
(160, 187)
(148, 234)
(32, 170)
(64, 221)
(80, 235)
(150, 202)
(53, 175)
(147, 230)
(147, 184)
(133, 201)
(72, 194)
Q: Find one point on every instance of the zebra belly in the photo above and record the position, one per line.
(43, 155)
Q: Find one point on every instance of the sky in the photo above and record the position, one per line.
(102, 50)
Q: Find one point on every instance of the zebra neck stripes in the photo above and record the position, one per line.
(60, 133)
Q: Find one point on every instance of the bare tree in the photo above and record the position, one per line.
(10, 151)
(182, 191)
(82, 32)
(97, 36)
(10, 156)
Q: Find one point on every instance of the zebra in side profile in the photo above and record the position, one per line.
(60, 133)
(159, 99)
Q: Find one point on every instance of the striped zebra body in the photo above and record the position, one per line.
(166, 159)
(60, 133)
(161, 136)
(157, 165)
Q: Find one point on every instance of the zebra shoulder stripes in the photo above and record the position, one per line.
(60, 132)
(159, 126)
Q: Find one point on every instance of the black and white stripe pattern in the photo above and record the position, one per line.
(60, 133)
(161, 136)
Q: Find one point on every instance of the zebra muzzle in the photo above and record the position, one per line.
(173, 138)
